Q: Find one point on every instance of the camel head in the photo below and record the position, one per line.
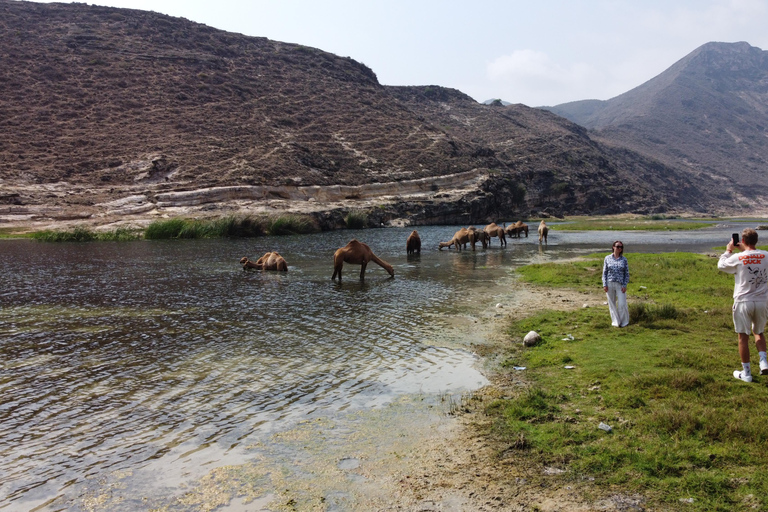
(243, 260)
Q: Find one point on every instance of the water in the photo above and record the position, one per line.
(157, 359)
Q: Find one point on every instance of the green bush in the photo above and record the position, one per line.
(225, 227)
(642, 312)
(78, 234)
(356, 220)
(164, 229)
(291, 224)
(81, 234)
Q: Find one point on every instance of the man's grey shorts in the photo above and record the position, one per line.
(750, 317)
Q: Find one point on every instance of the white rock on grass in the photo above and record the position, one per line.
(531, 339)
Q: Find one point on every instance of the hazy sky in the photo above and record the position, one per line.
(536, 52)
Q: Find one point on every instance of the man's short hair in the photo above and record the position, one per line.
(749, 237)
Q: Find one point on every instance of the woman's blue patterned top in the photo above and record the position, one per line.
(615, 269)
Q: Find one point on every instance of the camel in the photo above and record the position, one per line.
(493, 230)
(270, 261)
(461, 238)
(357, 253)
(543, 231)
(413, 243)
(478, 235)
(517, 228)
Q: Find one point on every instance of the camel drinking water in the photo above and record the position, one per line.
(543, 231)
(357, 253)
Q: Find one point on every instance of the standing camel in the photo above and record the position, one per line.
(357, 253)
(413, 243)
(543, 230)
(493, 230)
(517, 228)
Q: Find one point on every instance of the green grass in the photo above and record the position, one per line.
(181, 228)
(225, 227)
(682, 426)
(291, 224)
(651, 223)
(81, 234)
(10, 233)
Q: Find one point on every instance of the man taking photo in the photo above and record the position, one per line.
(750, 297)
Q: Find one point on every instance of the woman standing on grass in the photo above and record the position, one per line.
(615, 281)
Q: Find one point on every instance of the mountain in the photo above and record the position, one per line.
(706, 115)
(108, 114)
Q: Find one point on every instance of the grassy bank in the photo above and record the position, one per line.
(649, 223)
(231, 227)
(81, 234)
(684, 432)
(182, 228)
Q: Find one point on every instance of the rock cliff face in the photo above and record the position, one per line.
(707, 116)
(112, 113)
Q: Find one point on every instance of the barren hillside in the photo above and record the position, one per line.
(707, 115)
(109, 113)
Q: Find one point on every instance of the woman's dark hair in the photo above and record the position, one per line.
(622, 246)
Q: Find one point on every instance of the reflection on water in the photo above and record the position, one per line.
(120, 356)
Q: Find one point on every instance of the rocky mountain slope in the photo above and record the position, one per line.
(707, 116)
(108, 114)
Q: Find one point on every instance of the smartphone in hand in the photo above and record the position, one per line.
(735, 238)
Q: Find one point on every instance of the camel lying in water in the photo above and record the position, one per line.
(270, 261)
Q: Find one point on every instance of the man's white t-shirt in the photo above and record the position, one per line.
(751, 270)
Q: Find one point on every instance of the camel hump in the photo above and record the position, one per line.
(357, 243)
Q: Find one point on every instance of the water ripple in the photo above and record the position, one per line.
(122, 356)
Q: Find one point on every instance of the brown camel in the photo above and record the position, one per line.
(460, 239)
(493, 230)
(357, 253)
(516, 229)
(543, 231)
(478, 235)
(413, 244)
(270, 261)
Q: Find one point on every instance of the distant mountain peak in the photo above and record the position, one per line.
(707, 113)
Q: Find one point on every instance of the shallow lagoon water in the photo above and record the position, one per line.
(160, 361)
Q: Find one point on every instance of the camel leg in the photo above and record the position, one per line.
(336, 271)
(362, 270)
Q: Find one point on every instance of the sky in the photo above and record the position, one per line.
(535, 52)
